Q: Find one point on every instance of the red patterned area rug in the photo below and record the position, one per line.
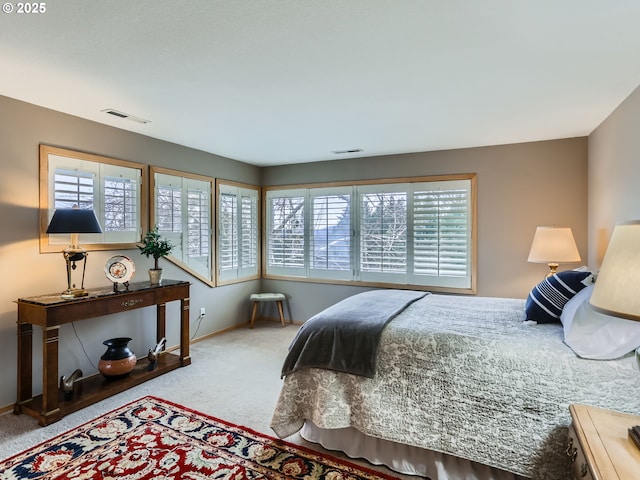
(156, 439)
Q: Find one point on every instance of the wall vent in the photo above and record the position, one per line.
(351, 150)
(119, 114)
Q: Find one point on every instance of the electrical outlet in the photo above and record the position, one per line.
(202, 311)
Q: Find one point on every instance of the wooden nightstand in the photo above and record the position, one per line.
(599, 444)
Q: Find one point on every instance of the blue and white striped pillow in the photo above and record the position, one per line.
(548, 298)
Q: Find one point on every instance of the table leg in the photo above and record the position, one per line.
(25, 365)
(50, 408)
(184, 332)
(161, 323)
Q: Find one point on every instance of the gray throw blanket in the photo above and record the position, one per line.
(345, 336)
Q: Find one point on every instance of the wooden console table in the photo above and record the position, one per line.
(51, 311)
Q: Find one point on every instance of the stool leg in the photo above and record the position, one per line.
(279, 302)
(253, 314)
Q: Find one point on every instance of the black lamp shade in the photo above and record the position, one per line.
(74, 220)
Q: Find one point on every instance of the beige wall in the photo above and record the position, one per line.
(25, 271)
(614, 175)
(519, 187)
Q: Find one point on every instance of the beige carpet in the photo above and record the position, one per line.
(234, 376)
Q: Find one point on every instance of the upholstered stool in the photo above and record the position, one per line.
(256, 298)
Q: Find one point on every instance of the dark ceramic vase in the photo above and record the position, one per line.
(118, 360)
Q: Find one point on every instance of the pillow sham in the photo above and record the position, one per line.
(547, 299)
(595, 335)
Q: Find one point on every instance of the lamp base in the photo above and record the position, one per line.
(73, 254)
(553, 269)
(74, 293)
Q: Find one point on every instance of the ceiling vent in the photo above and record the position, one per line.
(116, 113)
(351, 150)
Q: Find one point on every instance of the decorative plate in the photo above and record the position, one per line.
(119, 269)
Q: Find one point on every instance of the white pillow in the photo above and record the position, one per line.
(591, 334)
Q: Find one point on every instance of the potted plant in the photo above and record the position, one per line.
(153, 245)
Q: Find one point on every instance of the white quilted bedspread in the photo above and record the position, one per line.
(465, 376)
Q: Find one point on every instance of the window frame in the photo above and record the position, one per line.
(315, 270)
(238, 274)
(372, 280)
(293, 192)
(210, 279)
(93, 242)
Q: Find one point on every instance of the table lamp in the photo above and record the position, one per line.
(618, 282)
(74, 221)
(553, 245)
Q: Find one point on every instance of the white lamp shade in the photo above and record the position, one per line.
(617, 288)
(553, 245)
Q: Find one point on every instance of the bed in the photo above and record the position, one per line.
(463, 384)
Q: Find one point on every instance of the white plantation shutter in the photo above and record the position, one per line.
(168, 214)
(196, 227)
(73, 188)
(169, 208)
(120, 207)
(330, 240)
(228, 233)
(249, 232)
(442, 234)
(414, 233)
(198, 214)
(238, 232)
(111, 191)
(383, 232)
(183, 216)
(286, 236)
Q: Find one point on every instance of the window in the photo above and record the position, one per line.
(383, 232)
(441, 231)
(73, 188)
(198, 228)
(182, 212)
(287, 237)
(416, 232)
(120, 204)
(331, 242)
(114, 189)
(238, 248)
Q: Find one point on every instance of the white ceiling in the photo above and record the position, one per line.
(273, 82)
